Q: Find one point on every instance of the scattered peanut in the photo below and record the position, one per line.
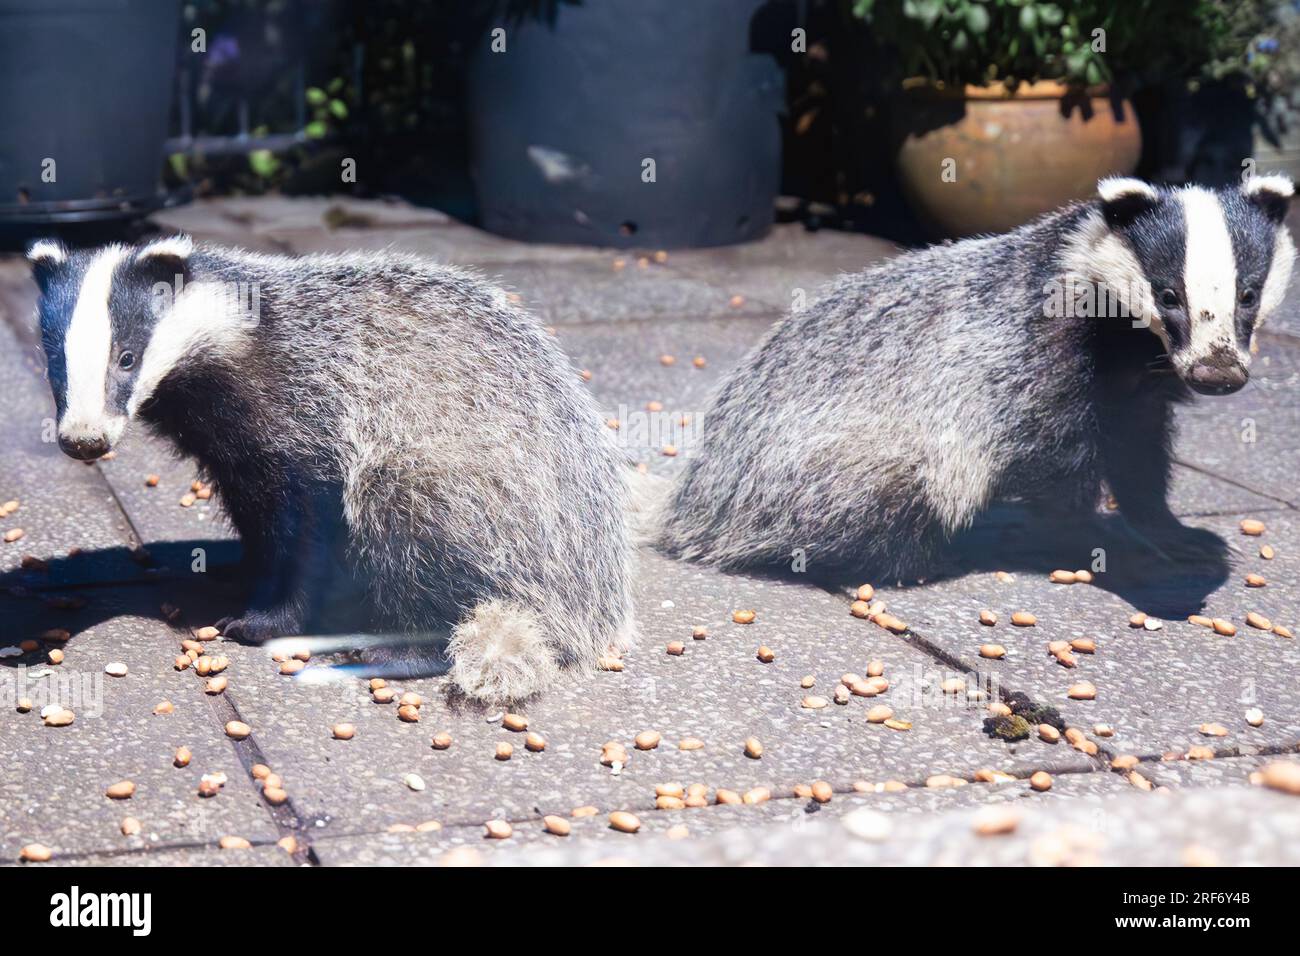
(624, 822)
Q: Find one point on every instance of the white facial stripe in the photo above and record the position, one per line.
(1096, 256)
(1209, 275)
(206, 317)
(86, 350)
(1279, 275)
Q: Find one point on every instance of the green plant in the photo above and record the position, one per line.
(1079, 42)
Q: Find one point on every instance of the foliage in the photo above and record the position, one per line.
(1080, 42)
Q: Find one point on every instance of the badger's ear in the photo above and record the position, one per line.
(1271, 194)
(46, 256)
(1123, 199)
(176, 247)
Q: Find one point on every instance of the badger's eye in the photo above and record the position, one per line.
(126, 360)
(1169, 298)
(1248, 296)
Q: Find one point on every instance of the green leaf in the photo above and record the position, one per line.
(315, 130)
(180, 165)
(316, 96)
(263, 163)
(339, 109)
(977, 19)
(1050, 14)
(1028, 18)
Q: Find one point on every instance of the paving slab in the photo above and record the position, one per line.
(256, 222)
(791, 265)
(717, 691)
(1085, 819)
(53, 779)
(1155, 688)
(1252, 437)
(180, 856)
(593, 840)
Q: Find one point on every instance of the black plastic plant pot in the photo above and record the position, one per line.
(570, 122)
(85, 93)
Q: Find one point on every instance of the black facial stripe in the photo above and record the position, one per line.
(1158, 240)
(142, 290)
(1253, 238)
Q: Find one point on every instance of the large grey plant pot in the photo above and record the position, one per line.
(87, 84)
(562, 122)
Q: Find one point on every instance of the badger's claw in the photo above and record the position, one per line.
(255, 627)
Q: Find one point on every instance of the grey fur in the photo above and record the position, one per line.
(410, 416)
(871, 427)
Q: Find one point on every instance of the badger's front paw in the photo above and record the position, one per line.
(257, 627)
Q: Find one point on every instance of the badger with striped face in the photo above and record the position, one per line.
(96, 331)
(1205, 269)
(369, 418)
(1038, 366)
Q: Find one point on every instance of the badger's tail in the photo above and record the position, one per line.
(647, 496)
(499, 653)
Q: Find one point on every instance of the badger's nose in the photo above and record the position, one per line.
(84, 449)
(1219, 375)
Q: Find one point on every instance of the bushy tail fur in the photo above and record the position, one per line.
(499, 653)
(647, 496)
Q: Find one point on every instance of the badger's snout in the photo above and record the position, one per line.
(1220, 373)
(85, 449)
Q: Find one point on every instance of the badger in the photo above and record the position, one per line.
(870, 428)
(395, 418)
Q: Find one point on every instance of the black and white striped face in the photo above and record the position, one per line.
(1215, 264)
(109, 336)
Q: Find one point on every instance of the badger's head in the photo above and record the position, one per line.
(1203, 267)
(110, 331)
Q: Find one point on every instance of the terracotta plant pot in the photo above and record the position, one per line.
(1008, 157)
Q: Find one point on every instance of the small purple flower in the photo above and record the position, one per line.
(1267, 45)
(224, 49)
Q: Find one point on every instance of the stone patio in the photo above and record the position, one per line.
(895, 795)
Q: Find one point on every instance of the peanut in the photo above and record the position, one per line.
(753, 748)
(988, 618)
(515, 722)
(1252, 527)
(624, 822)
(441, 741)
(1023, 619)
(237, 729)
(1041, 781)
(343, 731)
(743, 617)
(498, 830)
(879, 714)
(556, 825)
(504, 751)
(993, 651)
(182, 757)
(1083, 691)
(535, 742)
(647, 740)
(122, 790)
(36, 853)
